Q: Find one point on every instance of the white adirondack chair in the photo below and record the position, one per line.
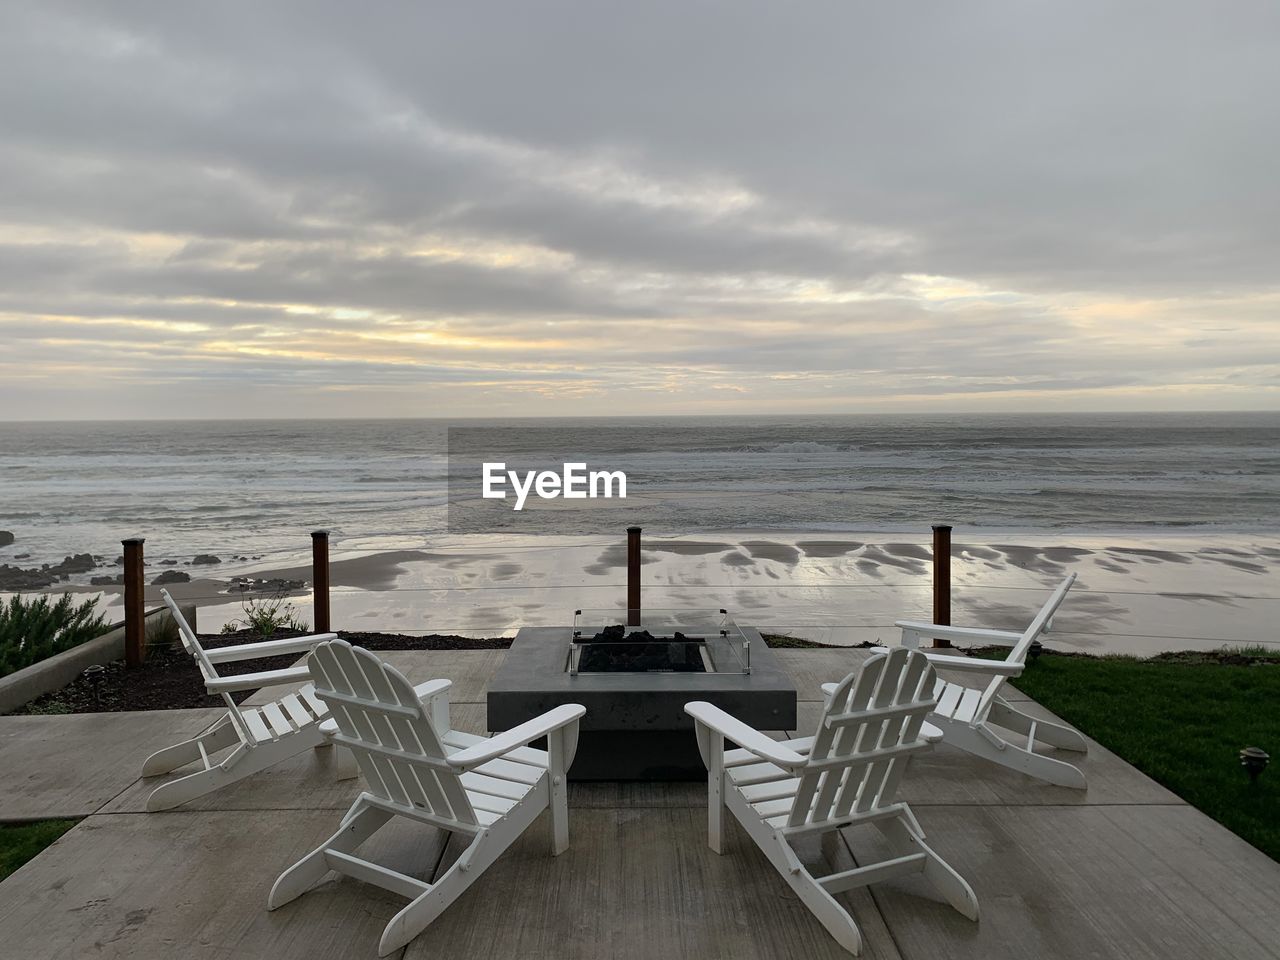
(968, 716)
(846, 775)
(257, 737)
(416, 766)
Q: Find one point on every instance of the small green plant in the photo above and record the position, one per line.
(51, 708)
(264, 615)
(32, 628)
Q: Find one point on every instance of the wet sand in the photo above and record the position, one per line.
(1140, 595)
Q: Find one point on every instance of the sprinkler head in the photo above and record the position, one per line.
(1254, 760)
(1035, 650)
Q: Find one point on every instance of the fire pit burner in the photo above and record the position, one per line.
(666, 641)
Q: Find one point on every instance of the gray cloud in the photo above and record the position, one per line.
(687, 197)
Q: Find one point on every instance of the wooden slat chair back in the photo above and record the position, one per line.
(870, 726)
(846, 775)
(380, 718)
(969, 715)
(1018, 654)
(208, 671)
(485, 790)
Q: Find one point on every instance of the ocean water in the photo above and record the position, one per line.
(256, 488)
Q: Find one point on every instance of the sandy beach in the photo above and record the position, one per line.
(1134, 594)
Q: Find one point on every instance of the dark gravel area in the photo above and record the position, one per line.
(169, 680)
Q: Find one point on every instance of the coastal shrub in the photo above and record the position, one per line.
(32, 628)
(265, 615)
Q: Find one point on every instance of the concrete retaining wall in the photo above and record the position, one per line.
(57, 671)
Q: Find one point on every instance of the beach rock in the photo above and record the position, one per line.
(204, 559)
(168, 563)
(274, 585)
(107, 581)
(22, 556)
(6, 538)
(16, 578)
(171, 576)
(80, 563)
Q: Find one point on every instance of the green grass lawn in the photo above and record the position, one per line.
(1183, 723)
(19, 842)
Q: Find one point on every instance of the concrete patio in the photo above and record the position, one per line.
(1126, 870)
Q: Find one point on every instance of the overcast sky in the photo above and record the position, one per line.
(342, 209)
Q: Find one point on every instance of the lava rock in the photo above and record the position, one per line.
(16, 578)
(205, 559)
(80, 563)
(171, 576)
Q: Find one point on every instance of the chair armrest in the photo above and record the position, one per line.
(252, 681)
(957, 634)
(520, 736)
(266, 648)
(988, 668)
(749, 738)
(432, 689)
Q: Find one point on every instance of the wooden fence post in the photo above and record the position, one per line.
(633, 576)
(320, 580)
(135, 630)
(941, 579)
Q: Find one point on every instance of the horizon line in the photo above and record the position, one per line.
(650, 416)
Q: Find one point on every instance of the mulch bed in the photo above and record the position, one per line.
(169, 680)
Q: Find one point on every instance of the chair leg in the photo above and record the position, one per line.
(1057, 735)
(989, 745)
(558, 787)
(360, 823)
(1058, 772)
(826, 909)
(218, 737)
(419, 914)
(185, 789)
(485, 848)
(715, 792)
(903, 840)
(241, 763)
(344, 764)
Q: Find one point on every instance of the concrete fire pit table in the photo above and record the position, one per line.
(635, 727)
